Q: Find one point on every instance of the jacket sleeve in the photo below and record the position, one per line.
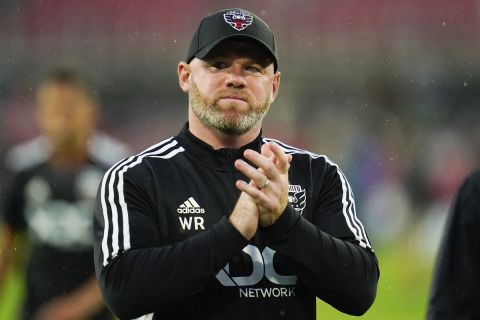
(455, 292)
(331, 254)
(136, 273)
(13, 202)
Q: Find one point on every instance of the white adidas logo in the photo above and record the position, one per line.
(190, 206)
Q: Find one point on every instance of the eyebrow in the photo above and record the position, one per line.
(264, 62)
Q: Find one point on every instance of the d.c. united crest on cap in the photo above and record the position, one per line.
(238, 19)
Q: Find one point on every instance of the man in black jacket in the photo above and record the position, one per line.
(50, 196)
(455, 290)
(219, 222)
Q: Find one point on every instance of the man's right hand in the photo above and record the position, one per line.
(245, 216)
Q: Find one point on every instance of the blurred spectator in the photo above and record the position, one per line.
(447, 161)
(455, 292)
(52, 186)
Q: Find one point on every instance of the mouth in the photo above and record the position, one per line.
(233, 98)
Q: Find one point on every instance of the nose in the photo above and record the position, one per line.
(235, 78)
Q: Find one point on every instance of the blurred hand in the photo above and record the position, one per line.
(60, 309)
(78, 305)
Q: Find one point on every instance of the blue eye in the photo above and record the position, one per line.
(219, 65)
(252, 69)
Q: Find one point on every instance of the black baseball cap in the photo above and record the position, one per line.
(230, 24)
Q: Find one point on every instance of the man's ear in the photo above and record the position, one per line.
(276, 84)
(183, 71)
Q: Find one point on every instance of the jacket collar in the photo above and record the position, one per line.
(220, 158)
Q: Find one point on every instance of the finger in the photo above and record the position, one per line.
(267, 152)
(259, 197)
(257, 176)
(265, 164)
(282, 162)
(289, 156)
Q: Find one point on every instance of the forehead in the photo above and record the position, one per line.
(240, 48)
(49, 91)
(60, 90)
(56, 97)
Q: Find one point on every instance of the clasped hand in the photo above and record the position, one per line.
(265, 197)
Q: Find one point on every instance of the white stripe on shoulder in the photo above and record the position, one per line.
(289, 149)
(107, 149)
(145, 317)
(169, 155)
(28, 154)
(348, 202)
(115, 187)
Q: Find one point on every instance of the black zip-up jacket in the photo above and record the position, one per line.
(164, 246)
(455, 292)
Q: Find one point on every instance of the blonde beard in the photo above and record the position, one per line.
(215, 117)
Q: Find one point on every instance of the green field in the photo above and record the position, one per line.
(402, 293)
(402, 290)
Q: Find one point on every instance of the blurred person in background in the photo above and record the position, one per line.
(455, 292)
(219, 222)
(50, 195)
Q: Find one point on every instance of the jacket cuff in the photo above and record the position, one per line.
(283, 225)
(230, 238)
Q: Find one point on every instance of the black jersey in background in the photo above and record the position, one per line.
(55, 208)
(456, 283)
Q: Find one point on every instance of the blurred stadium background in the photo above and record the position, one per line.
(387, 89)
